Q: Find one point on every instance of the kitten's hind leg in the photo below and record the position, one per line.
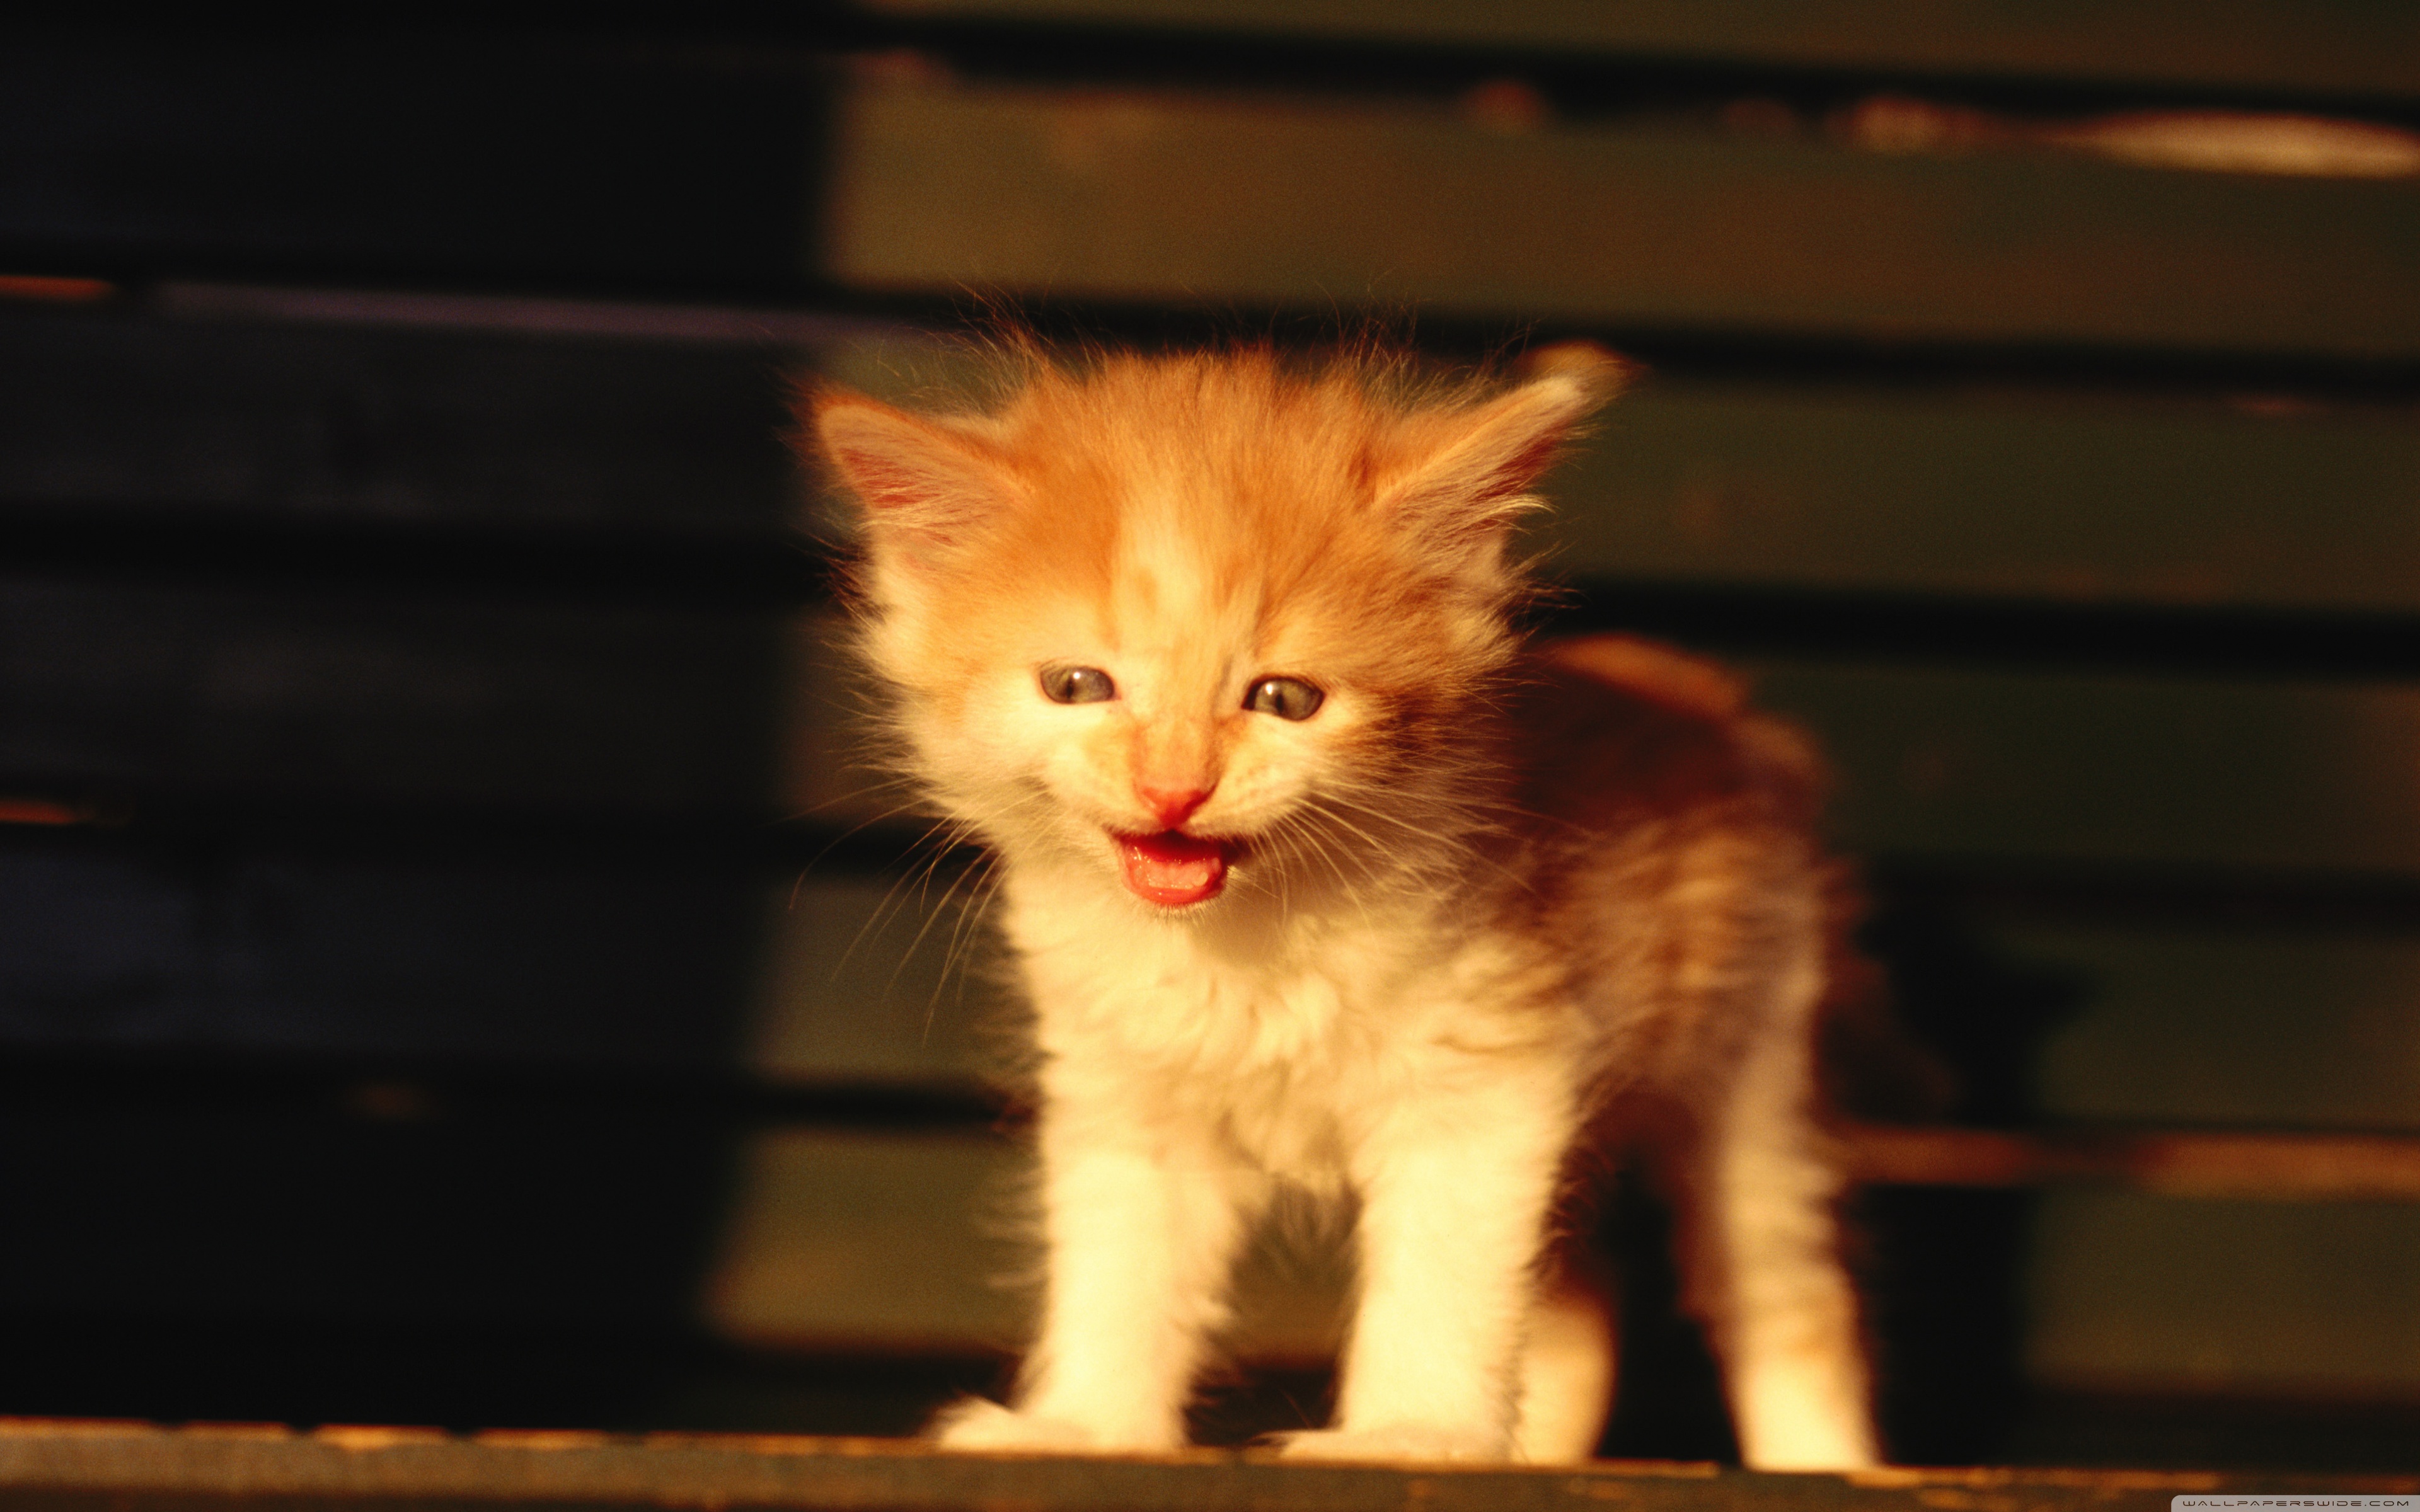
(1762, 1252)
(1566, 1373)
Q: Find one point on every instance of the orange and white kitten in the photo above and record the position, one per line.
(1319, 877)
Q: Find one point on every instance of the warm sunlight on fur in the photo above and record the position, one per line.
(1319, 877)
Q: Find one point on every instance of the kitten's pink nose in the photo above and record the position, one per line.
(1172, 805)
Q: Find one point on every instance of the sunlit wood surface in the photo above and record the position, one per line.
(132, 1469)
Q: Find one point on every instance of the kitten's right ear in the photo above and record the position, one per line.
(1470, 470)
(923, 487)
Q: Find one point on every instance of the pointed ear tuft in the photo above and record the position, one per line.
(1607, 374)
(923, 487)
(1475, 466)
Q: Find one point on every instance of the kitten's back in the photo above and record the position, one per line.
(1614, 728)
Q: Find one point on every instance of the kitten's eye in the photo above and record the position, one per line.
(1288, 697)
(1078, 684)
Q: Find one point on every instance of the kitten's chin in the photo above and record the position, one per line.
(1174, 870)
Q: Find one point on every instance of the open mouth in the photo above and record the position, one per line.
(1174, 869)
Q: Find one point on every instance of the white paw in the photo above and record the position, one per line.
(1404, 1441)
(978, 1426)
(1848, 1451)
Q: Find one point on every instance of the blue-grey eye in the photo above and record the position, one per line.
(1078, 684)
(1288, 697)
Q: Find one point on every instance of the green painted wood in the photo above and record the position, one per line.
(1200, 200)
(872, 1241)
(2358, 47)
(554, 164)
(110, 413)
(413, 944)
(329, 694)
(2028, 493)
(887, 1241)
(881, 980)
(2244, 1028)
(2031, 492)
(1941, 762)
(2129, 1293)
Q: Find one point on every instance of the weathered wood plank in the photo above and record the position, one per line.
(2091, 497)
(104, 413)
(2113, 769)
(386, 946)
(375, 1206)
(882, 981)
(1194, 199)
(322, 693)
(2266, 1166)
(72, 1464)
(840, 1241)
(559, 166)
(2341, 49)
(2228, 1026)
(323, 426)
(2132, 1292)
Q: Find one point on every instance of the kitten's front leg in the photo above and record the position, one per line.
(1456, 1187)
(1142, 1217)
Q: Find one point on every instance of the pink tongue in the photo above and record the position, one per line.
(1172, 869)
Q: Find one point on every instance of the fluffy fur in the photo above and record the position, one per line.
(1487, 909)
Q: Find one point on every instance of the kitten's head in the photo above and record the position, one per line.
(1178, 620)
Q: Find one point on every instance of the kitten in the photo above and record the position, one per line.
(1319, 877)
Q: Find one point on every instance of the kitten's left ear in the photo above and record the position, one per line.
(1476, 466)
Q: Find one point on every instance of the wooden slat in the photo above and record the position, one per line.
(2113, 769)
(2086, 497)
(558, 165)
(881, 980)
(1193, 199)
(840, 1241)
(2355, 49)
(2271, 1166)
(885, 1242)
(2149, 1295)
(375, 1206)
(67, 1465)
(390, 946)
(2226, 1026)
(326, 693)
(106, 413)
(2038, 493)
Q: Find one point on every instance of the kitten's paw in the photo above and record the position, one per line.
(979, 1427)
(977, 1424)
(1404, 1442)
